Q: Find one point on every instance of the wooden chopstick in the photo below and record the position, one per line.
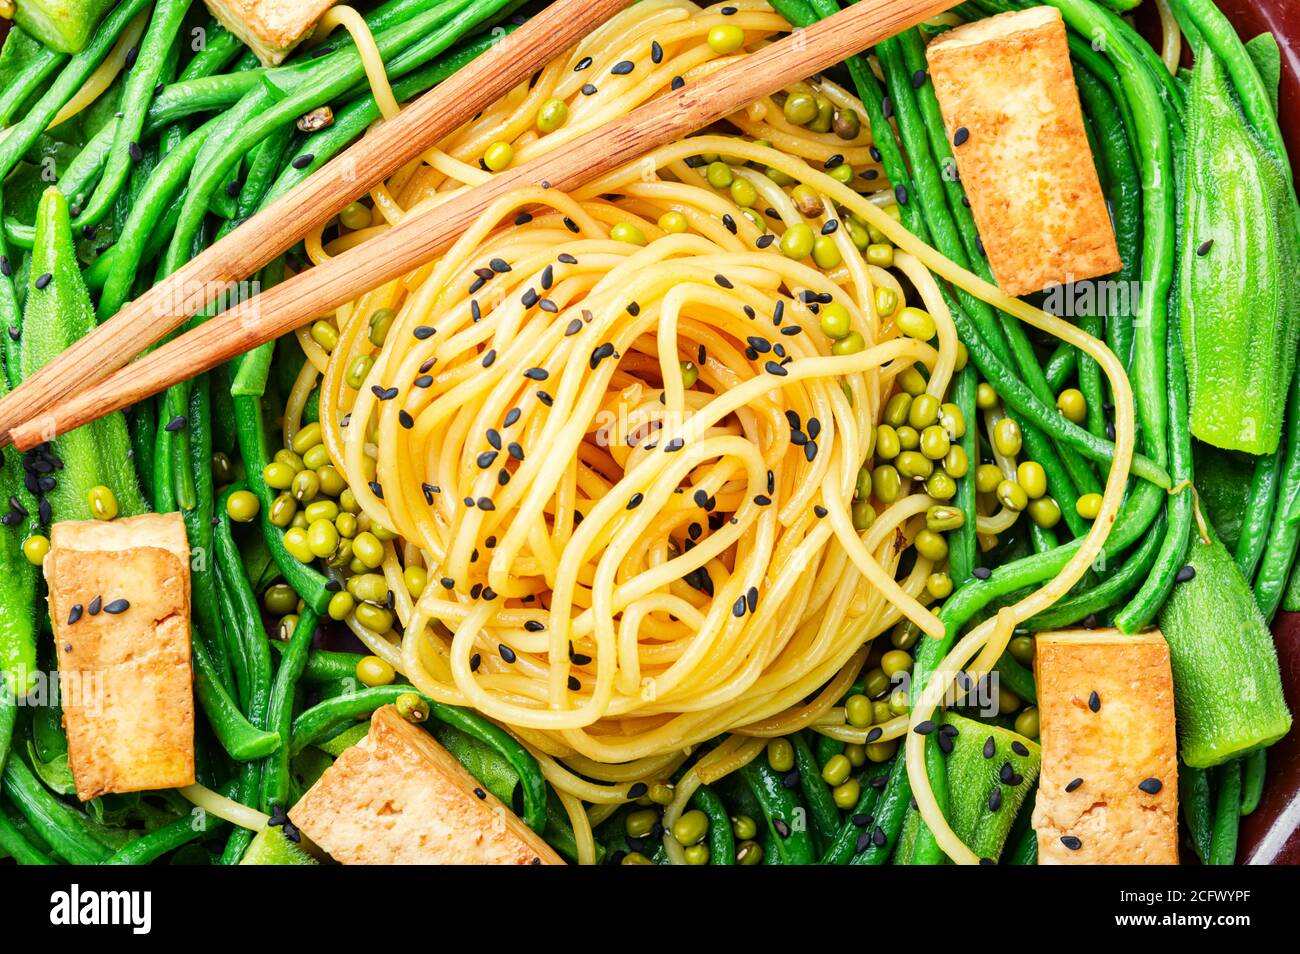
(424, 234)
(380, 153)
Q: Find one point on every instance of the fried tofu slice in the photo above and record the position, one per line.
(124, 670)
(398, 797)
(1009, 103)
(270, 28)
(1108, 789)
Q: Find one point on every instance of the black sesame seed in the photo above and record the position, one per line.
(1071, 842)
(1151, 786)
(900, 193)
(1094, 701)
(588, 89)
(995, 799)
(924, 728)
(981, 573)
(515, 450)
(1019, 747)
(116, 607)
(136, 153)
(75, 614)
(485, 503)
(765, 240)
(829, 227)
(95, 606)
(303, 161)
(960, 136)
(1204, 247)
(6, 269)
(674, 445)
(506, 652)
(377, 489)
(384, 394)
(582, 64)
(422, 331)
(43, 280)
(772, 367)
(738, 607)
(622, 67)
(545, 398)
(486, 459)
(1185, 574)
(730, 223)
(176, 423)
(1073, 784)
(490, 357)
(423, 381)
(781, 827)
(574, 327)
(723, 281)
(677, 82)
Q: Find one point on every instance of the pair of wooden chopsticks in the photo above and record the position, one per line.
(46, 405)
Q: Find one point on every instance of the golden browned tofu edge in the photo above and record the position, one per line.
(399, 797)
(125, 679)
(1026, 163)
(271, 28)
(1106, 726)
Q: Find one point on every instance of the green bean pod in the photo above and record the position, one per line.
(1227, 813)
(891, 810)
(1194, 796)
(55, 821)
(242, 740)
(25, 64)
(1254, 767)
(1259, 513)
(14, 844)
(790, 841)
(1074, 608)
(279, 718)
(722, 843)
(823, 815)
(1280, 550)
